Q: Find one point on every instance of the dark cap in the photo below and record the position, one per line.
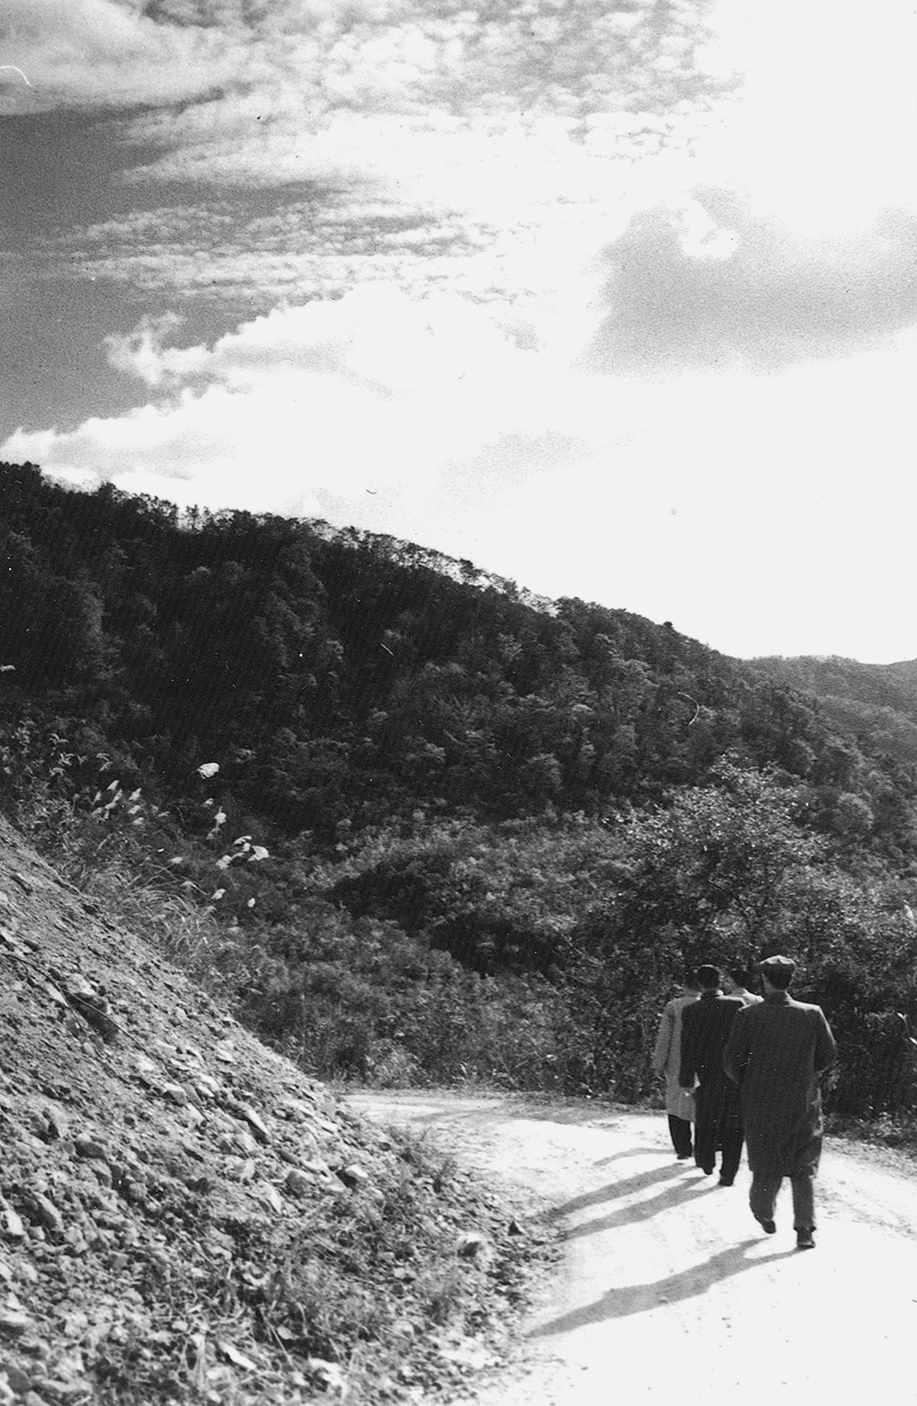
(777, 964)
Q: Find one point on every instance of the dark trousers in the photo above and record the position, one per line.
(705, 1140)
(763, 1197)
(680, 1130)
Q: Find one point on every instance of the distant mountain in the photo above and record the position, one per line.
(874, 703)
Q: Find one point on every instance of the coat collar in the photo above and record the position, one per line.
(777, 998)
(711, 995)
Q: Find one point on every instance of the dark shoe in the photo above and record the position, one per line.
(684, 1156)
(725, 1181)
(707, 1171)
(768, 1226)
(805, 1240)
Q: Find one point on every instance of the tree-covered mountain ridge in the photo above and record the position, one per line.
(876, 702)
(427, 825)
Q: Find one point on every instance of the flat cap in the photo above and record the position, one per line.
(770, 964)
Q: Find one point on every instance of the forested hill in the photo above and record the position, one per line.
(427, 825)
(873, 702)
(342, 679)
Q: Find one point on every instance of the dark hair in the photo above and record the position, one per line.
(779, 977)
(708, 978)
(742, 976)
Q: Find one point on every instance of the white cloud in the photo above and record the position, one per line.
(108, 53)
(332, 395)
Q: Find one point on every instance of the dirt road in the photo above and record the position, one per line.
(668, 1290)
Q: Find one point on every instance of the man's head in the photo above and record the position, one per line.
(738, 978)
(777, 972)
(708, 978)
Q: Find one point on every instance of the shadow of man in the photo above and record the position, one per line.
(615, 1189)
(628, 1299)
(642, 1210)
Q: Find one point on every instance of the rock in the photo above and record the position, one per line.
(17, 1380)
(14, 1321)
(352, 1175)
(246, 1112)
(12, 1222)
(328, 1374)
(472, 1245)
(240, 1141)
(89, 1147)
(298, 1183)
(45, 1210)
(269, 1196)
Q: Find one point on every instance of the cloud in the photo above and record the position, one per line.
(715, 285)
(329, 396)
(110, 54)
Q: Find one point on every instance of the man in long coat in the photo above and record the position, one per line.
(705, 1028)
(777, 1052)
(667, 1060)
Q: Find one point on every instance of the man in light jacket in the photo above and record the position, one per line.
(777, 1052)
(679, 1105)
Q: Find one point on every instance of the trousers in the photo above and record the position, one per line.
(763, 1197)
(705, 1139)
(680, 1131)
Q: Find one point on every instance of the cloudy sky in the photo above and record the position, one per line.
(618, 299)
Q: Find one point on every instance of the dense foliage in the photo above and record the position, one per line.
(427, 826)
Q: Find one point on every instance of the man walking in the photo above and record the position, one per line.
(776, 1053)
(679, 1105)
(705, 1028)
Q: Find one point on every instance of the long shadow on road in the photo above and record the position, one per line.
(614, 1189)
(628, 1299)
(641, 1210)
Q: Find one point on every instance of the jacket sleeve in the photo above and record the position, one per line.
(663, 1040)
(735, 1055)
(825, 1045)
(687, 1069)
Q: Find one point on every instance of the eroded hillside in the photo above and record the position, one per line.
(186, 1216)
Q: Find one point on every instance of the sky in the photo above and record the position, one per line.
(617, 300)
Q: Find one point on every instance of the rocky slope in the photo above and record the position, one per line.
(186, 1216)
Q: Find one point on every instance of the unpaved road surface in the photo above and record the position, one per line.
(668, 1291)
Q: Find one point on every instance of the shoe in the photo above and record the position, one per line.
(707, 1171)
(805, 1240)
(725, 1181)
(684, 1156)
(768, 1226)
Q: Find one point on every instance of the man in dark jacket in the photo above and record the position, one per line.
(776, 1053)
(718, 1114)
